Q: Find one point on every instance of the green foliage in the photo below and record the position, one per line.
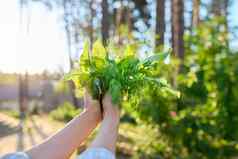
(12, 113)
(61, 87)
(123, 76)
(65, 112)
(203, 123)
(8, 79)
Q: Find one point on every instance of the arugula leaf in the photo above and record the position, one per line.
(78, 77)
(115, 91)
(155, 58)
(159, 81)
(85, 54)
(99, 50)
(130, 50)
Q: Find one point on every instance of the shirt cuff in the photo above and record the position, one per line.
(97, 153)
(17, 155)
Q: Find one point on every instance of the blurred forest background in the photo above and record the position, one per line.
(203, 66)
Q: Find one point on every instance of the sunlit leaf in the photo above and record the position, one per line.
(85, 54)
(99, 50)
(130, 50)
(71, 75)
(155, 58)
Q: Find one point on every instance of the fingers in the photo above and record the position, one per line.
(88, 99)
(107, 100)
(91, 104)
(88, 95)
(110, 109)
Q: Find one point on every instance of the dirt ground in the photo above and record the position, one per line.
(34, 130)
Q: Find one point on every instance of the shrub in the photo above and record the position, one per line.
(65, 112)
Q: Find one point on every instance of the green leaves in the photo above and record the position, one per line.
(85, 57)
(130, 50)
(99, 50)
(115, 89)
(96, 88)
(155, 58)
(124, 76)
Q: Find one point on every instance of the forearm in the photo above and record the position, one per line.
(63, 143)
(108, 133)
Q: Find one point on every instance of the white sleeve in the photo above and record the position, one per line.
(17, 155)
(97, 153)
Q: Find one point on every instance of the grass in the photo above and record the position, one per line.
(8, 79)
(65, 112)
(136, 141)
(12, 113)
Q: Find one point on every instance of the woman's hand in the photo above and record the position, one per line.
(92, 106)
(110, 110)
(108, 132)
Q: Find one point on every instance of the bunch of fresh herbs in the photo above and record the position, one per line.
(122, 76)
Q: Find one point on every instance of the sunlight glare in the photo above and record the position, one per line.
(35, 50)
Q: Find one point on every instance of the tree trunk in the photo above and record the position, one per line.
(160, 23)
(23, 95)
(68, 35)
(226, 5)
(178, 27)
(216, 7)
(171, 23)
(123, 23)
(220, 7)
(196, 13)
(92, 13)
(105, 21)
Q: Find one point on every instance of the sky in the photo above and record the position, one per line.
(37, 42)
(34, 46)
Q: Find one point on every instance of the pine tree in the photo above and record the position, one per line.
(160, 22)
(177, 21)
